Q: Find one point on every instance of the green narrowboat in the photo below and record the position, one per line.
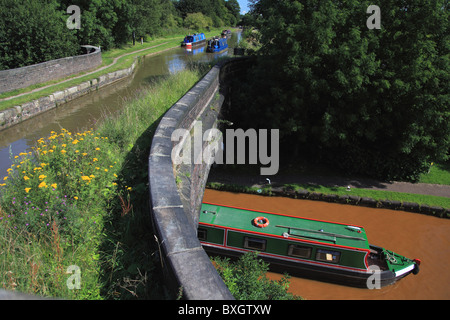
(321, 250)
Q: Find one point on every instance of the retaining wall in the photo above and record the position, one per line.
(176, 191)
(22, 112)
(23, 77)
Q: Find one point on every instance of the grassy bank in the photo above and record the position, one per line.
(82, 200)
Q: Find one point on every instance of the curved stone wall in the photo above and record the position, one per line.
(23, 77)
(176, 191)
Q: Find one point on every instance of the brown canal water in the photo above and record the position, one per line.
(410, 234)
(84, 112)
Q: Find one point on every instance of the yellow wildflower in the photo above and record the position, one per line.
(42, 177)
(84, 154)
(95, 159)
(75, 141)
(42, 185)
(76, 198)
(97, 149)
(106, 170)
(63, 151)
(26, 178)
(54, 185)
(5, 178)
(85, 178)
(27, 190)
(64, 145)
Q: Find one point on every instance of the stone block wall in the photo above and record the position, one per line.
(12, 116)
(18, 78)
(176, 191)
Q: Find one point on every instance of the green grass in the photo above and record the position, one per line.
(82, 199)
(439, 174)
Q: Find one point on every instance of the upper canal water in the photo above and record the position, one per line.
(84, 112)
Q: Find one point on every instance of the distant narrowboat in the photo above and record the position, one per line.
(321, 250)
(217, 45)
(226, 33)
(194, 40)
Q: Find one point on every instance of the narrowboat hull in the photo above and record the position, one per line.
(216, 50)
(319, 250)
(194, 40)
(193, 44)
(317, 272)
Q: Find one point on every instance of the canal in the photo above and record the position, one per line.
(85, 111)
(410, 234)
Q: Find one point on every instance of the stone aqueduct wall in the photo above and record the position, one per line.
(18, 78)
(176, 191)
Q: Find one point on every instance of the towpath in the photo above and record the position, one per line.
(330, 181)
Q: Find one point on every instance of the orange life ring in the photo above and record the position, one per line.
(261, 222)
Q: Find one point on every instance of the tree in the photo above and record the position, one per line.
(372, 102)
(197, 21)
(33, 31)
(246, 279)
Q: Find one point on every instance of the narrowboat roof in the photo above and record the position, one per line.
(281, 225)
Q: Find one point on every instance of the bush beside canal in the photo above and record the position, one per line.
(82, 199)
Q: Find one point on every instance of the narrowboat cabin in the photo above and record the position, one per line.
(321, 250)
(194, 40)
(217, 45)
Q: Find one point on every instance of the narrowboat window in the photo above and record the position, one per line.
(299, 251)
(254, 243)
(328, 256)
(201, 234)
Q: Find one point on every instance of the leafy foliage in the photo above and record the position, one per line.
(246, 279)
(33, 31)
(370, 101)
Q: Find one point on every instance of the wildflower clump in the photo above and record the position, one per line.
(68, 178)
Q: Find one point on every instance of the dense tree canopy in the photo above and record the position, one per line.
(370, 101)
(33, 31)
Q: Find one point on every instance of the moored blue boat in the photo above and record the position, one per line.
(217, 45)
(194, 40)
